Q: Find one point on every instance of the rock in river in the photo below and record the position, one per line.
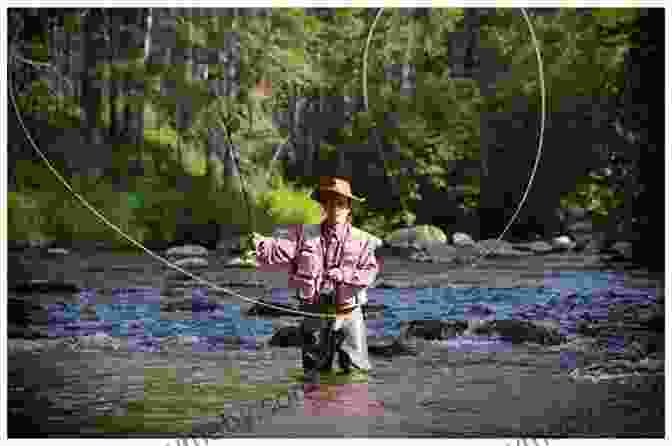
(187, 251)
(520, 331)
(462, 239)
(432, 329)
(538, 247)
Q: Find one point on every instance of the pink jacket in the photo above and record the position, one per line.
(300, 253)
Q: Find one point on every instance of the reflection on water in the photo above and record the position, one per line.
(340, 400)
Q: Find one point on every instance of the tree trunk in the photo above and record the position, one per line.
(114, 19)
(91, 89)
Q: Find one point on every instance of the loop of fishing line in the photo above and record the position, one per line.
(542, 124)
(226, 290)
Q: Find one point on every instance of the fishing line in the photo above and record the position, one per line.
(542, 124)
(131, 239)
(215, 286)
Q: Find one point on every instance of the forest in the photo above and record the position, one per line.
(181, 123)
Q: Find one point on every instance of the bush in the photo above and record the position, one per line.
(44, 208)
(24, 220)
(288, 204)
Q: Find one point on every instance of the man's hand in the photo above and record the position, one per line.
(250, 246)
(335, 274)
(252, 240)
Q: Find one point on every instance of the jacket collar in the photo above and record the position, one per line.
(341, 229)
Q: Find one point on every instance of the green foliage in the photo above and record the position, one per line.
(302, 54)
(24, 220)
(288, 204)
(593, 193)
(58, 111)
(53, 212)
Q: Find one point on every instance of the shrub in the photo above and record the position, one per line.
(24, 220)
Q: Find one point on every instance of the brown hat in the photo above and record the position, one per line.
(337, 184)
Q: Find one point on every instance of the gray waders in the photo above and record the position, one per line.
(325, 338)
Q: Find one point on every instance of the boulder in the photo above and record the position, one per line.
(538, 247)
(623, 250)
(287, 337)
(590, 243)
(432, 329)
(462, 239)
(395, 251)
(26, 332)
(99, 340)
(499, 248)
(577, 213)
(187, 251)
(39, 242)
(23, 345)
(520, 331)
(239, 262)
(563, 242)
(442, 253)
(389, 283)
(416, 237)
(58, 251)
(388, 346)
(581, 227)
(376, 242)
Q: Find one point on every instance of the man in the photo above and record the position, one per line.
(331, 265)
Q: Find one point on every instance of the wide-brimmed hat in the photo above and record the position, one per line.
(336, 184)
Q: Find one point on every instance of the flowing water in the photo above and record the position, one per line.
(564, 298)
(461, 387)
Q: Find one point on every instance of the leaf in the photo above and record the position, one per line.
(295, 57)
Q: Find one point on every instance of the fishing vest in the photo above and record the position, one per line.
(308, 266)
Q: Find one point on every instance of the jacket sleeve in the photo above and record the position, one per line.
(365, 272)
(276, 254)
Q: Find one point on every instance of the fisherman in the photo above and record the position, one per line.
(331, 265)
